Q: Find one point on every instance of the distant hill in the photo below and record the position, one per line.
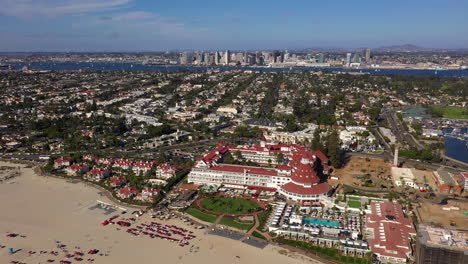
(406, 47)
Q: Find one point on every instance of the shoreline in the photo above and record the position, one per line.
(38, 170)
(292, 251)
(63, 211)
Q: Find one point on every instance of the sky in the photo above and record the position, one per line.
(154, 25)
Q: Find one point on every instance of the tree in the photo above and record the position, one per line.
(279, 158)
(333, 149)
(316, 143)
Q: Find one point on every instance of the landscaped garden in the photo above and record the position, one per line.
(229, 221)
(201, 215)
(230, 205)
(354, 204)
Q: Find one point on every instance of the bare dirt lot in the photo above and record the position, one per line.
(365, 172)
(434, 213)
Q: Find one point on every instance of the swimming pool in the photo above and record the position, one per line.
(315, 221)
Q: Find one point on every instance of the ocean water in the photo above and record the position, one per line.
(126, 66)
(457, 148)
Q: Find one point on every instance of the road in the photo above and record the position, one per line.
(399, 130)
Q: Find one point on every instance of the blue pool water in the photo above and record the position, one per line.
(314, 221)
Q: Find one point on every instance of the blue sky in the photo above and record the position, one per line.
(153, 25)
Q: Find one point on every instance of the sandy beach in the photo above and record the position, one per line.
(44, 210)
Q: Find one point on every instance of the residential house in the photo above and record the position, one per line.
(127, 192)
(97, 174)
(147, 194)
(62, 162)
(117, 181)
(165, 171)
(76, 168)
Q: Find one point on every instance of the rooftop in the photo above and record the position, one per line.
(444, 238)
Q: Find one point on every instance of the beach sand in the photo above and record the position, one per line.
(45, 209)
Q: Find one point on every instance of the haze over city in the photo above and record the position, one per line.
(143, 25)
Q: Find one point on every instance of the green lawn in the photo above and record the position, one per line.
(451, 112)
(230, 205)
(229, 221)
(201, 215)
(263, 217)
(258, 235)
(354, 204)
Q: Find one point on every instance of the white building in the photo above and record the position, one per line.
(298, 180)
(405, 176)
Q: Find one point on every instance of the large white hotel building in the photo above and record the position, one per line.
(302, 178)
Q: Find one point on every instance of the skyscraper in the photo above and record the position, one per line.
(206, 58)
(356, 58)
(217, 58)
(286, 56)
(227, 56)
(183, 58)
(348, 59)
(367, 55)
(320, 58)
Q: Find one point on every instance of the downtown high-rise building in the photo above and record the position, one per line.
(183, 58)
(206, 58)
(356, 58)
(226, 57)
(348, 59)
(217, 58)
(367, 55)
(319, 57)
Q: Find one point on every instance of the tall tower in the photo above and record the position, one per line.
(227, 56)
(367, 55)
(348, 59)
(395, 157)
(183, 58)
(217, 58)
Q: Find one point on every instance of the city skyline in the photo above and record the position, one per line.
(139, 25)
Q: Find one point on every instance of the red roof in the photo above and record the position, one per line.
(128, 190)
(78, 166)
(284, 168)
(320, 188)
(465, 175)
(392, 231)
(304, 173)
(144, 164)
(117, 180)
(241, 169)
(216, 153)
(63, 160)
(98, 171)
(149, 190)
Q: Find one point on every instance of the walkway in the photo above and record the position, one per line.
(255, 226)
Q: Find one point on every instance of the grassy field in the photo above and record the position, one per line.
(228, 221)
(258, 235)
(229, 205)
(451, 112)
(354, 204)
(263, 217)
(201, 215)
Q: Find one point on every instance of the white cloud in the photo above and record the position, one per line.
(53, 8)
